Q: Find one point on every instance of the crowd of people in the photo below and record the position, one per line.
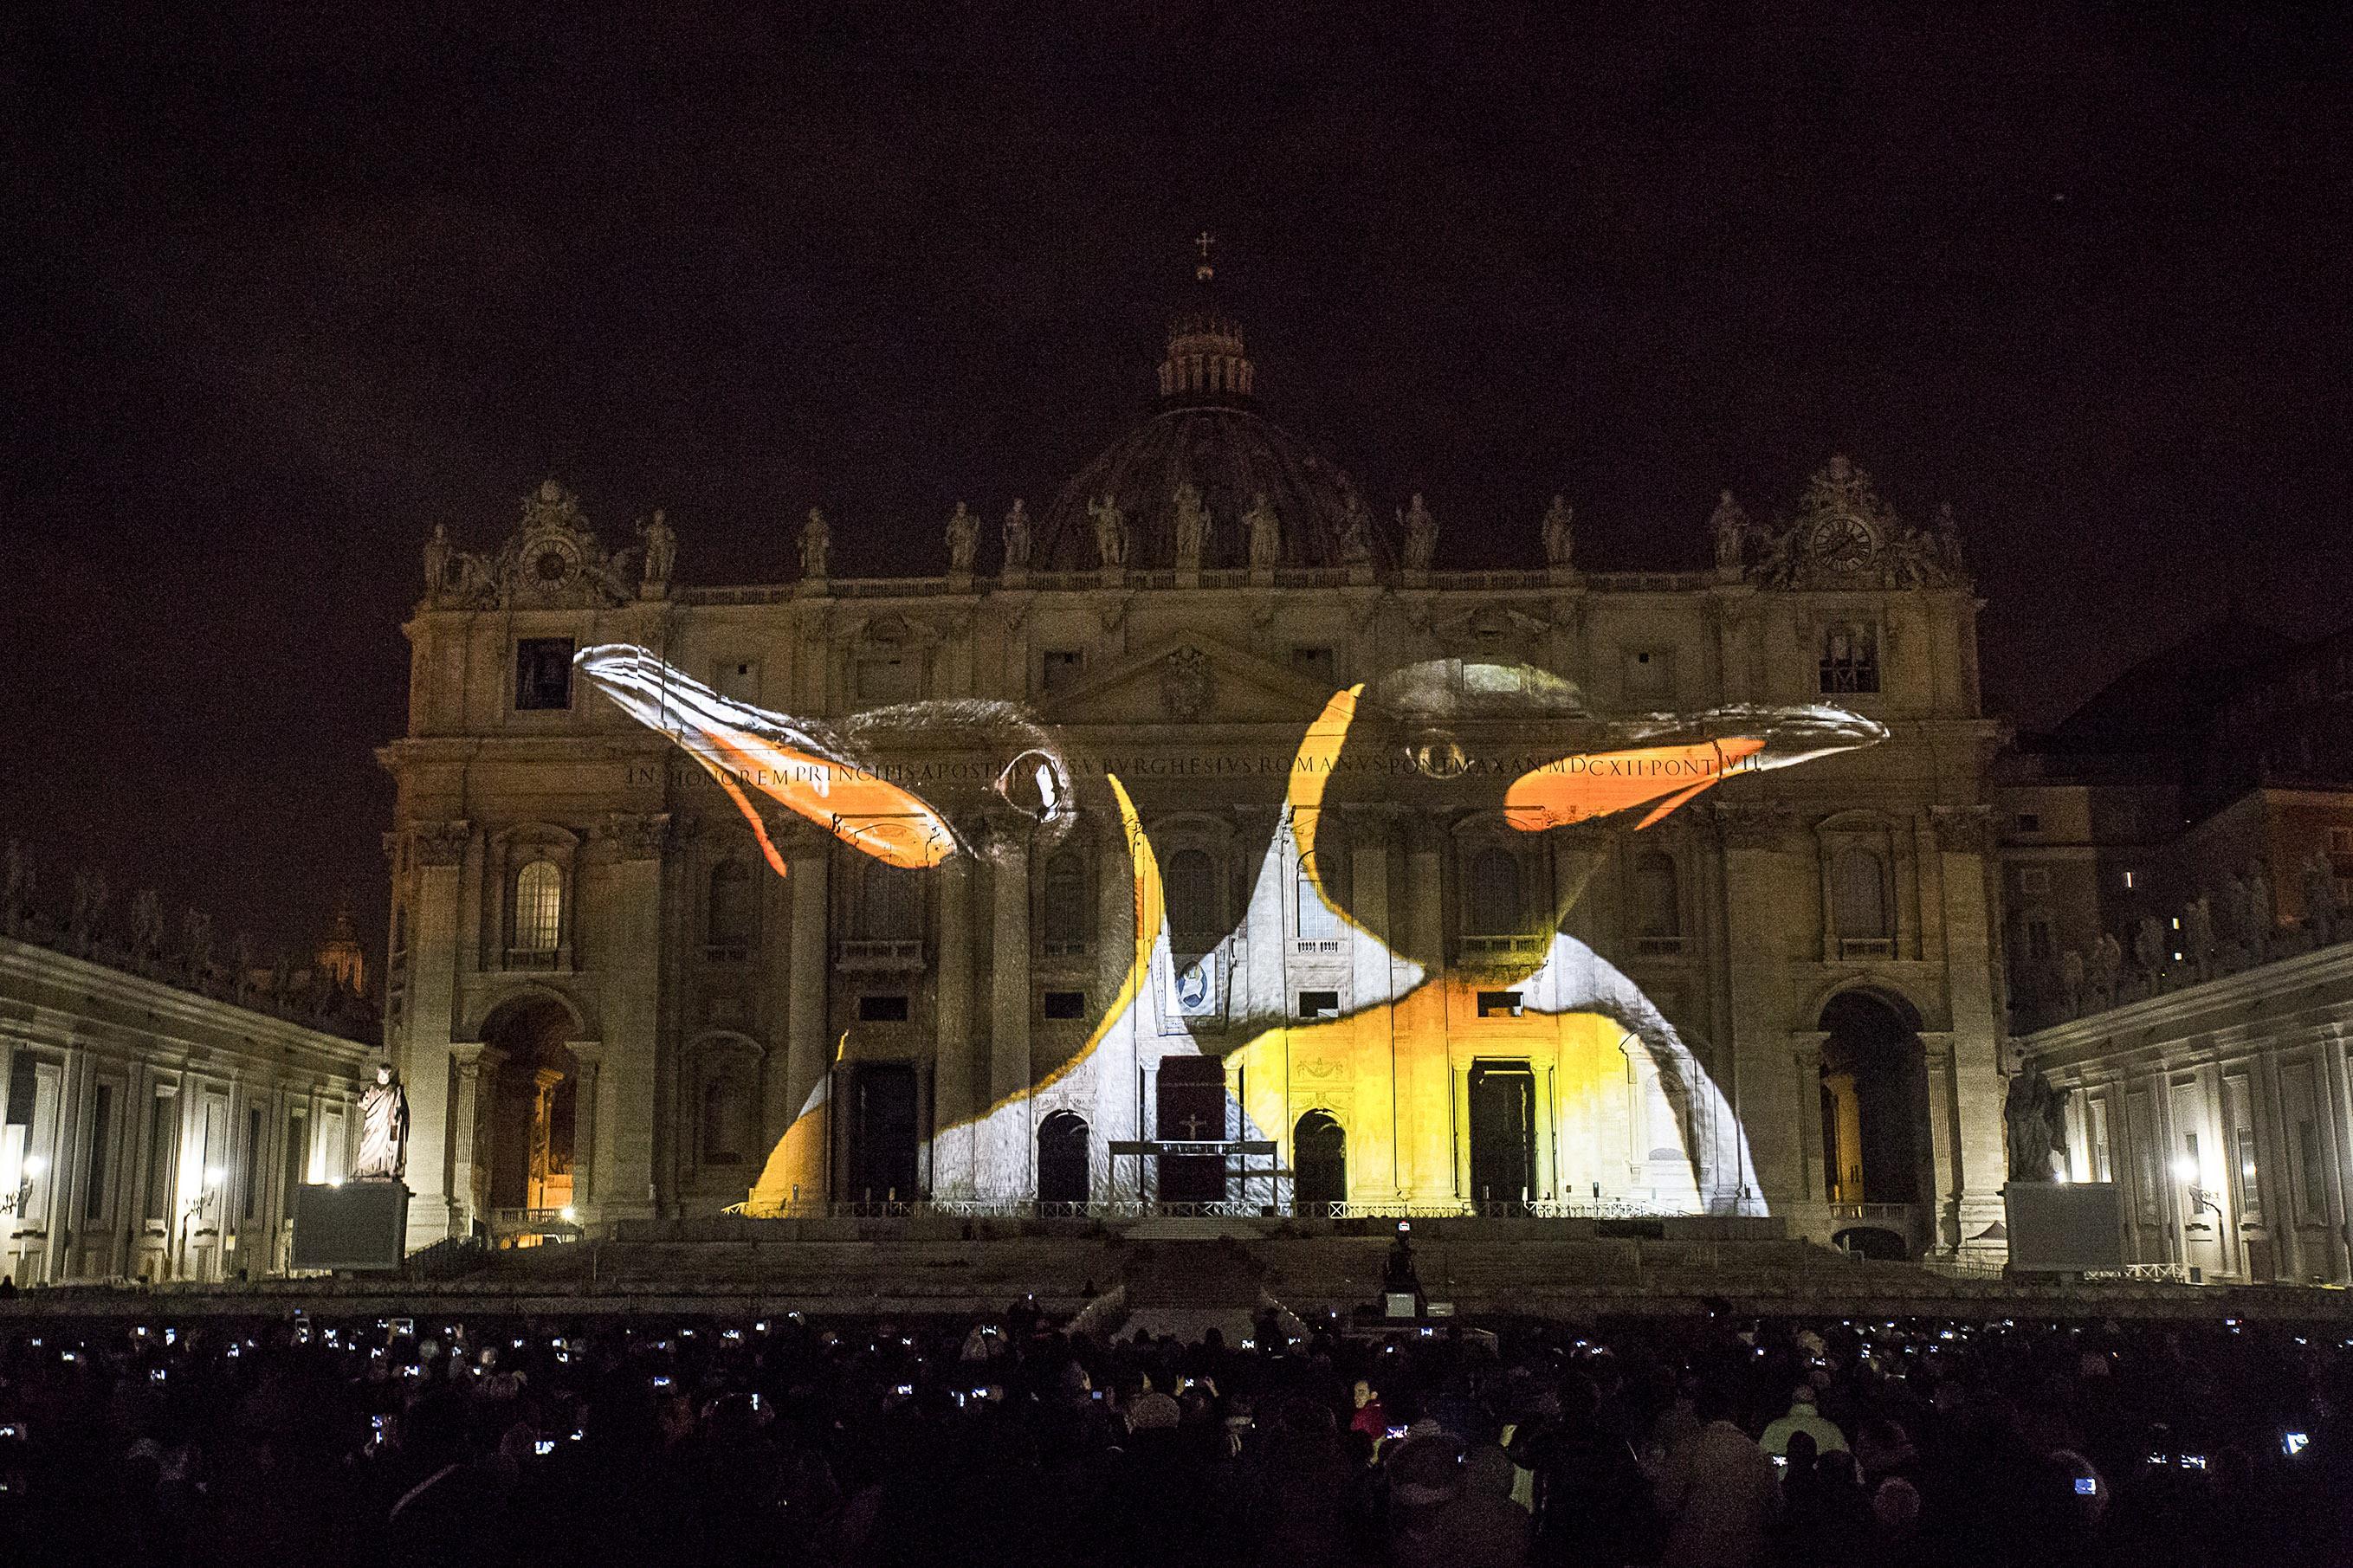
(792, 1440)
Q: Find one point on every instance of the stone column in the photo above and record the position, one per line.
(1117, 1116)
(631, 1009)
(1965, 838)
(1421, 1057)
(438, 928)
(478, 1067)
(1373, 1144)
(1806, 1056)
(589, 1056)
(953, 1100)
(1757, 1076)
(808, 1051)
(1003, 1150)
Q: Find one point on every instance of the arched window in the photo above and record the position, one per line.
(1319, 1158)
(1192, 894)
(1318, 921)
(1066, 905)
(1496, 908)
(735, 912)
(889, 912)
(1859, 897)
(539, 906)
(1658, 912)
(726, 1116)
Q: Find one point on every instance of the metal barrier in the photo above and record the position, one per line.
(1129, 1209)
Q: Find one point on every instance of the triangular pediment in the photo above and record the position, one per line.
(1190, 680)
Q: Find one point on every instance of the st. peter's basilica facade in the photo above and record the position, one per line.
(1760, 989)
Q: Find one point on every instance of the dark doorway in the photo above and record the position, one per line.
(1871, 1241)
(1502, 1133)
(1319, 1159)
(532, 1106)
(1875, 1139)
(883, 1132)
(1191, 1108)
(1062, 1159)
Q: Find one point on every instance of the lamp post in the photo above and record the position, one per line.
(195, 1205)
(19, 1201)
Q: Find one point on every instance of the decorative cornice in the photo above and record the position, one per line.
(1760, 825)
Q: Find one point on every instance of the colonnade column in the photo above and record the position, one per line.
(1003, 1153)
(632, 1012)
(1118, 1115)
(1770, 1098)
(432, 855)
(478, 1067)
(806, 1047)
(587, 1057)
(952, 1101)
(1965, 839)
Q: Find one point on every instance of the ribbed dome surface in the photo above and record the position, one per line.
(1232, 455)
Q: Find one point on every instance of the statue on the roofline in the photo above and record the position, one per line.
(1560, 533)
(1016, 537)
(815, 539)
(1420, 532)
(1192, 527)
(1265, 533)
(964, 538)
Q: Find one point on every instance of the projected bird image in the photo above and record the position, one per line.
(1449, 742)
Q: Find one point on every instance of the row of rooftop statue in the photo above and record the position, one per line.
(648, 565)
(2209, 937)
(328, 991)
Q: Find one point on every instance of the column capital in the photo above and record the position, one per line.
(473, 1056)
(1964, 829)
(637, 836)
(439, 843)
(589, 1054)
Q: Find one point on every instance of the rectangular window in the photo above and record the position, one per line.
(1850, 658)
(2316, 1170)
(248, 1181)
(297, 1165)
(2235, 1106)
(2030, 821)
(2101, 1169)
(102, 1148)
(2341, 841)
(2034, 878)
(1319, 1004)
(2143, 1130)
(1650, 675)
(1059, 668)
(885, 1008)
(2039, 944)
(889, 678)
(2299, 1087)
(543, 674)
(1499, 1003)
(163, 1143)
(1317, 664)
(738, 678)
(1066, 1005)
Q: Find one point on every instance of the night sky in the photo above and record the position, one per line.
(282, 293)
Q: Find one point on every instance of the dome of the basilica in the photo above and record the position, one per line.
(1209, 432)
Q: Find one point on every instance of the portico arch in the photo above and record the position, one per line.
(1876, 1138)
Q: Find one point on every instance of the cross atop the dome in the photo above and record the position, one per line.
(1203, 241)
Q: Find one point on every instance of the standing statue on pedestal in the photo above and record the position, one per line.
(1420, 535)
(1192, 527)
(815, 539)
(2319, 879)
(438, 552)
(1356, 536)
(384, 1129)
(1560, 533)
(1111, 533)
(1265, 533)
(1730, 525)
(1016, 538)
(661, 555)
(964, 540)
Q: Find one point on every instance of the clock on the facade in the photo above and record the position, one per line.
(1842, 543)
